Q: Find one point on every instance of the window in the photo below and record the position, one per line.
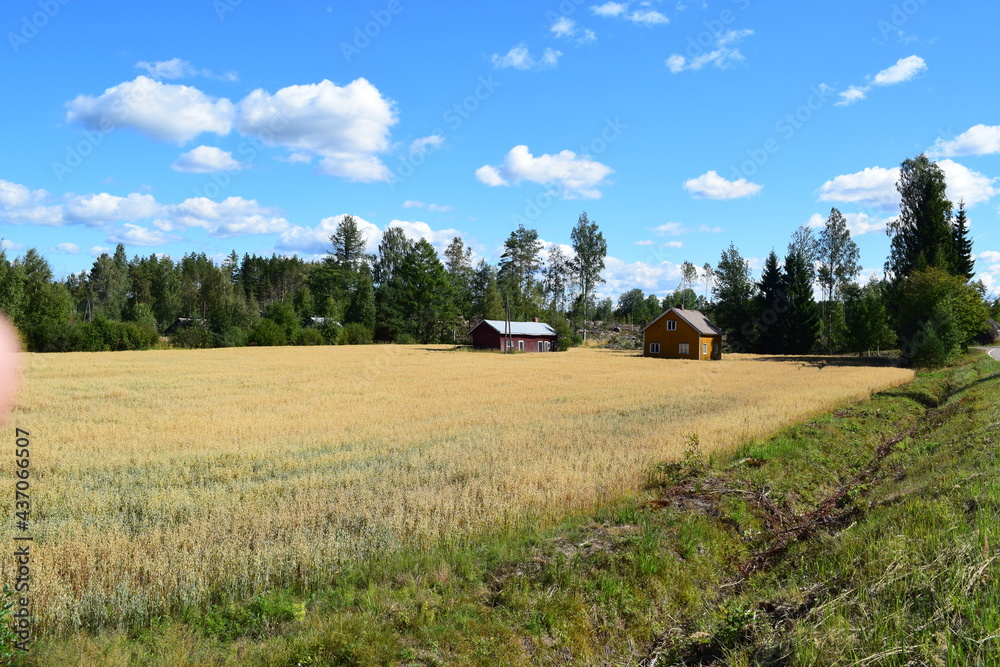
(520, 345)
(704, 348)
(541, 346)
(683, 348)
(671, 325)
(510, 344)
(654, 348)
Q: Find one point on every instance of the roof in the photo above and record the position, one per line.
(694, 318)
(520, 328)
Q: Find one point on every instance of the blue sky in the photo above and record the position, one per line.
(213, 125)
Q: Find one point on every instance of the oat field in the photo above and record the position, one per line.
(168, 479)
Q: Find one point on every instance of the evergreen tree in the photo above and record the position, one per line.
(922, 234)
(519, 264)
(963, 263)
(800, 324)
(771, 307)
(361, 308)
(486, 301)
(458, 263)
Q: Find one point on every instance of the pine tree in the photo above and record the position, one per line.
(801, 322)
(771, 306)
(963, 262)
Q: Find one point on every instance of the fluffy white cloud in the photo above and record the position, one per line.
(67, 248)
(573, 176)
(977, 140)
(98, 250)
(647, 17)
(100, 209)
(862, 223)
(346, 125)
(672, 244)
(232, 216)
(316, 240)
(15, 195)
(164, 111)
(421, 145)
(206, 159)
(712, 186)
(610, 9)
(966, 185)
(175, 68)
(564, 26)
(904, 70)
(519, 57)
(647, 242)
(416, 230)
(134, 235)
(723, 54)
(989, 256)
(873, 185)
(622, 276)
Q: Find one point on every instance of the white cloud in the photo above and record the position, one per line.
(7, 244)
(644, 242)
(175, 68)
(433, 208)
(977, 140)
(723, 54)
(709, 230)
(610, 9)
(563, 27)
(433, 141)
(670, 229)
(519, 57)
(98, 250)
(991, 256)
(135, 235)
(672, 244)
(232, 216)
(904, 70)
(348, 126)
(167, 112)
(416, 230)
(575, 176)
(316, 240)
(862, 223)
(712, 186)
(206, 159)
(621, 276)
(67, 248)
(967, 185)
(15, 195)
(645, 15)
(873, 185)
(409, 203)
(100, 209)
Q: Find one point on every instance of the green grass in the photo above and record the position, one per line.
(899, 568)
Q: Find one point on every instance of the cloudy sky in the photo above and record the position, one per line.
(213, 125)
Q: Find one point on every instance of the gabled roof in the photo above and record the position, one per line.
(520, 328)
(692, 317)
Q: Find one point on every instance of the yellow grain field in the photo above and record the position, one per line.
(166, 479)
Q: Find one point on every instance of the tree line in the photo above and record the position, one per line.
(405, 292)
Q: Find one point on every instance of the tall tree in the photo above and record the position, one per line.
(708, 274)
(458, 263)
(519, 264)
(964, 264)
(800, 324)
(557, 274)
(771, 306)
(591, 249)
(922, 233)
(838, 257)
(361, 308)
(734, 292)
(805, 243)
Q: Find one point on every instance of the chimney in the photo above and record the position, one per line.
(536, 319)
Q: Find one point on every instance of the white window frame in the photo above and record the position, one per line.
(671, 325)
(520, 346)
(541, 346)
(704, 348)
(654, 348)
(510, 345)
(683, 348)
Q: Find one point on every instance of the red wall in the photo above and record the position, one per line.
(486, 337)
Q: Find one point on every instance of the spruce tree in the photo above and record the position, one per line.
(922, 234)
(801, 322)
(771, 306)
(963, 263)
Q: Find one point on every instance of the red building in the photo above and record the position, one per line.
(521, 336)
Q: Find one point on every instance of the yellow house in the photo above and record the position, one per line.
(682, 334)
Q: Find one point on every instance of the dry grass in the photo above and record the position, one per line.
(168, 479)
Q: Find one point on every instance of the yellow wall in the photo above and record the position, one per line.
(670, 340)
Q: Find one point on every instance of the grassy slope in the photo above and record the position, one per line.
(897, 565)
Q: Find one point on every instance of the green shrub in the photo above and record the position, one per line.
(405, 339)
(355, 334)
(267, 333)
(309, 336)
(194, 337)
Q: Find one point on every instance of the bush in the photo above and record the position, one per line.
(194, 337)
(355, 334)
(267, 333)
(330, 331)
(565, 336)
(405, 339)
(309, 336)
(232, 337)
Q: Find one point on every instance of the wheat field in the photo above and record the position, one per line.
(176, 478)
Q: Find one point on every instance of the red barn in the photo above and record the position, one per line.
(524, 336)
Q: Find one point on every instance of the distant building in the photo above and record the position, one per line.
(183, 323)
(682, 334)
(524, 336)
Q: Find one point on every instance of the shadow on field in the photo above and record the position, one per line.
(821, 361)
